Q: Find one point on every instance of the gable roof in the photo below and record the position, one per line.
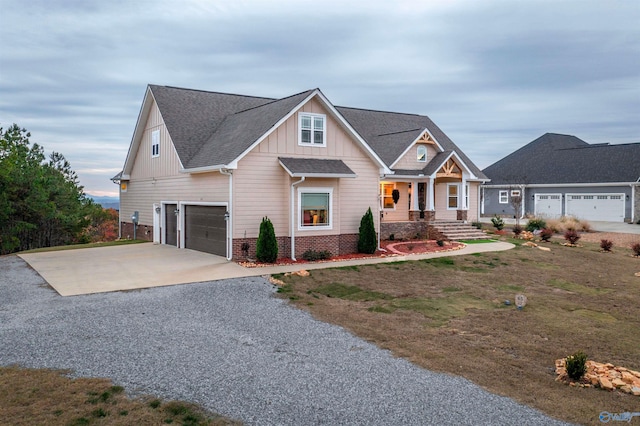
(390, 134)
(557, 159)
(212, 130)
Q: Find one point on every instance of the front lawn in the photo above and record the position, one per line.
(449, 314)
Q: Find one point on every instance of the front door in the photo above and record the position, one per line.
(171, 224)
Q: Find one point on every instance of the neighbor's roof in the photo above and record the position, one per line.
(212, 129)
(557, 159)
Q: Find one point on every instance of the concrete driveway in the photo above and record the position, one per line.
(128, 267)
(145, 265)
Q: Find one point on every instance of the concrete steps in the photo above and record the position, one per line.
(456, 231)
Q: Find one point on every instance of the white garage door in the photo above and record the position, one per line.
(548, 205)
(603, 207)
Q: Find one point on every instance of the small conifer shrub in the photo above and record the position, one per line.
(576, 365)
(267, 244)
(367, 239)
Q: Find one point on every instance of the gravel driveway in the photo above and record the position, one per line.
(235, 349)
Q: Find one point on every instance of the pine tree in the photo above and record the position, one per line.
(267, 244)
(367, 239)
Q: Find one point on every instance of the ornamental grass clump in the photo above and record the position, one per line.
(267, 244)
(576, 365)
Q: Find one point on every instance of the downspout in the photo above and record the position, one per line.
(633, 203)
(230, 212)
(481, 201)
(292, 219)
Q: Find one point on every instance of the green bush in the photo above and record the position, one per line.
(498, 223)
(576, 365)
(312, 255)
(367, 239)
(535, 224)
(267, 245)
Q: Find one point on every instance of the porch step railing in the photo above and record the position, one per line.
(456, 231)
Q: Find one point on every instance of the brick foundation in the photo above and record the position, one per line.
(143, 232)
(335, 244)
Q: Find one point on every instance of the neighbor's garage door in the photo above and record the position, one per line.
(205, 229)
(603, 207)
(548, 205)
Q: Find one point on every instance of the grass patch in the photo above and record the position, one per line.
(478, 241)
(439, 261)
(83, 246)
(60, 400)
(577, 288)
(448, 314)
(349, 292)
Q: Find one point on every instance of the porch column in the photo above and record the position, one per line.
(414, 195)
(431, 203)
(461, 194)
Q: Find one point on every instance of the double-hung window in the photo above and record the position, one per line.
(315, 208)
(452, 196)
(312, 129)
(504, 197)
(155, 143)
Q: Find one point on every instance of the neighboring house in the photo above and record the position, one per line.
(562, 175)
(204, 168)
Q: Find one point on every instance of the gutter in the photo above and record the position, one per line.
(292, 218)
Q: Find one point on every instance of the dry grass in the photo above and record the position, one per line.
(568, 223)
(46, 397)
(449, 315)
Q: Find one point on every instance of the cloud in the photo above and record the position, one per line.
(494, 75)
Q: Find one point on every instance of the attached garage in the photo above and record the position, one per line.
(596, 207)
(205, 229)
(548, 205)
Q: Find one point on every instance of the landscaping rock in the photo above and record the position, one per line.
(605, 376)
(544, 248)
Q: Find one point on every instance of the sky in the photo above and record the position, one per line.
(492, 74)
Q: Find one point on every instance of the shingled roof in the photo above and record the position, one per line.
(214, 129)
(563, 159)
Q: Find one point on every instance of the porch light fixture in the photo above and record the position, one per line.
(176, 212)
(226, 215)
(157, 209)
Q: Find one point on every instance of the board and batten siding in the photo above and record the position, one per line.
(409, 161)
(262, 187)
(158, 179)
(167, 163)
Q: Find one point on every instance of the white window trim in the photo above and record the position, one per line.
(465, 200)
(387, 209)
(155, 141)
(315, 190)
(324, 129)
(503, 195)
(457, 207)
(515, 193)
(420, 148)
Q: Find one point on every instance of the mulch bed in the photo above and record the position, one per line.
(390, 249)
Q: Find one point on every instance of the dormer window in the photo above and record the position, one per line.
(155, 143)
(422, 154)
(312, 129)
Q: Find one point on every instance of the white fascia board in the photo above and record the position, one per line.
(206, 169)
(416, 141)
(577, 185)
